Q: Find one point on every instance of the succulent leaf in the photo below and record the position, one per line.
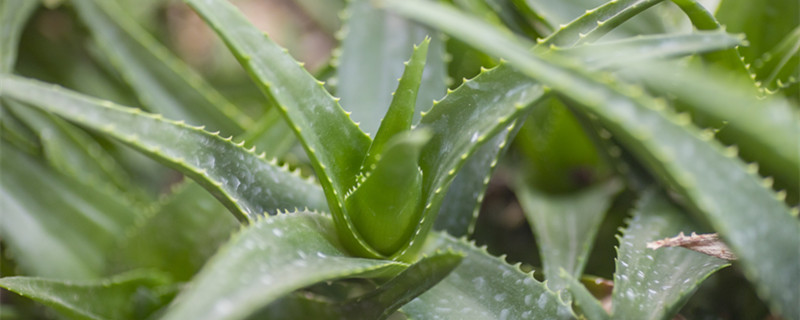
(385, 207)
(717, 183)
(652, 284)
(131, 295)
(163, 83)
(244, 182)
(13, 16)
(401, 111)
(267, 260)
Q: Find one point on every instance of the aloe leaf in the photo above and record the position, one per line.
(66, 234)
(749, 18)
(565, 226)
(13, 16)
(132, 295)
(181, 233)
(656, 284)
(390, 296)
(620, 53)
(72, 151)
(584, 303)
(780, 66)
(462, 203)
(484, 287)
(594, 23)
(247, 184)
(324, 13)
(333, 143)
(765, 130)
(401, 111)
(267, 260)
(755, 222)
(374, 46)
(386, 206)
(163, 83)
(271, 134)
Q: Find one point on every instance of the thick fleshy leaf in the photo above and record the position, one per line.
(401, 111)
(247, 184)
(375, 44)
(583, 302)
(593, 23)
(163, 83)
(266, 261)
(565, 226)
(333, 143)
(132, 295)
(621, 53)
(416, 280)
(751, 218)
(750, 18)
(779, 67)
(462, 203)
(72, 151)
(66, 234)
(185, 230)
(13, 16)
(765, 130)
(385, 207)
(655, 284)
(484, 287)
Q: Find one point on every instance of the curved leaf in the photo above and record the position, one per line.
(565, 226)
(163, 83)
(333, 143)
(132, 295)
(244, 182)
(779, 67)
(401, 111)
(656, 284)
(766, 130)
(184, 230)
(754, 221)
(267, 260)
(374, 46)
(13, 16)
(66, 234)
(484, 287)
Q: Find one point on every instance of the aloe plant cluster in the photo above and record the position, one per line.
(352, 194)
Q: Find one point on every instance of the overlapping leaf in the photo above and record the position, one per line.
(267, 260)
(247, 184)
(757, 225)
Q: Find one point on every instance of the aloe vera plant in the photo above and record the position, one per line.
(589, 100)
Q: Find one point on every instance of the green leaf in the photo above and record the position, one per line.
(462, 203)
(185, 229)
(416, 280)
(386, 206)
(592, 24)
(584, 303)
(749, 18)
(401, 111)
(621, 53)
(374, 46)
(484, 287)
(13, 16)
(333, 143)
(132, 295)
(751, 218)
(779, 67)
(656, 284)
(565, 226)
(267, 260)
(247, 184)
(163, 83)
(765, 130)
(72, 151)
(66, 234)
